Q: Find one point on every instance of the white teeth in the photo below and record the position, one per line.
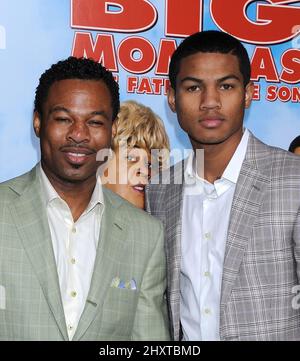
(78, 155)
(138, 188)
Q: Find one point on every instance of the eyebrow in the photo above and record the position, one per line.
(99, 112)
(197, 80)
(59, 109)
(63, 109)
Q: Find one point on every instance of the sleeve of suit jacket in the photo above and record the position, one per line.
(149, 323)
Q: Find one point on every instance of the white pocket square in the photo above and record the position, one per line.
(2, 298)
(128, 285)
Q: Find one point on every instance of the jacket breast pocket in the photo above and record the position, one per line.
(119, 311)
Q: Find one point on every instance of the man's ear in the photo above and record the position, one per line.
(171, 99)
(37, 123)
(249, 91)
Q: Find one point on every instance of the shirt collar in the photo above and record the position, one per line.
(50, 193)
(190, 167)
(233, 168)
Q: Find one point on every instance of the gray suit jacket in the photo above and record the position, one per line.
(262, 257)
(130, 247)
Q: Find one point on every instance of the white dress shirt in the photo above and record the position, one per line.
(205, 220)
(74, 245)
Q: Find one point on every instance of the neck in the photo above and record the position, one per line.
(77, 195)
(217, 157)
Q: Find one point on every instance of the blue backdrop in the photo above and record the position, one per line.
(36, 33)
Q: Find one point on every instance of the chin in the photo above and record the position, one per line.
(74, 176)
(211, 140)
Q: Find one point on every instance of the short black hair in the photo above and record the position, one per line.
(210, 41)
(295, 144)
(76, 68)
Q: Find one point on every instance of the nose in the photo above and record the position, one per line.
(78, 132)
(143, 171)
(210, 99)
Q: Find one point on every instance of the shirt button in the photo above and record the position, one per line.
(207, 311)
(73, 294)
(207, 274)
(207, 235)
(73, 260)
(70, 328)
(73, 229)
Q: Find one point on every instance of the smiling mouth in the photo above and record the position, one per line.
(77, 158)
(76, 155)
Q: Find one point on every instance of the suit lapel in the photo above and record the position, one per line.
(252, 181)
(30, 218)
(111, 245)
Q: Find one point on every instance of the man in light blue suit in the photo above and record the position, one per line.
(77, 262)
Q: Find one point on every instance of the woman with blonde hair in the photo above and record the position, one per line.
(140, 149)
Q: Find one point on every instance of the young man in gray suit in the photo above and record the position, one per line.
(77, 262)
(232, 226)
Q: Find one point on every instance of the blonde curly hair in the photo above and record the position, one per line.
(138, 126)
